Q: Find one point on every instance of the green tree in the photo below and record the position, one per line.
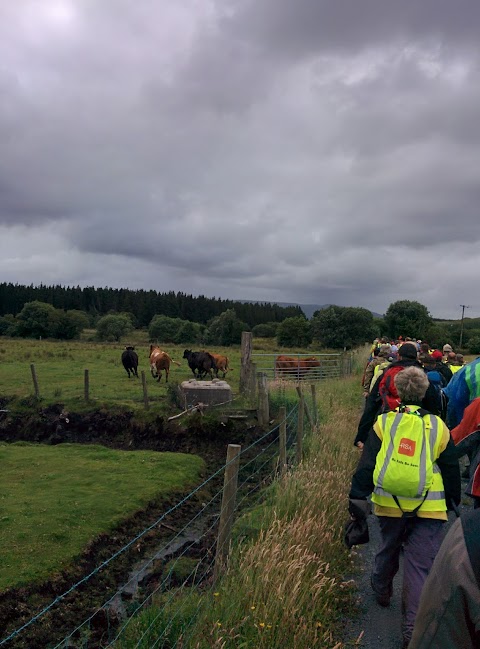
(113, 327)
(7, 325)
(474, 345)
(266, 330)
(226, 329)
(70, 324)
(343, 327)
(188, 332)
(164, 329)
(37, 320)
(407, 318)
(294, 332)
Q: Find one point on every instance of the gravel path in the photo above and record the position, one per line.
(376, 627)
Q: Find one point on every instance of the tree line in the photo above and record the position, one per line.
(144, 305)
(333, 327)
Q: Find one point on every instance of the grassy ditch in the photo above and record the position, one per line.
(56, 499)
(284, 586)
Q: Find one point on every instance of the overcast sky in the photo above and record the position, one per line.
(312, 151)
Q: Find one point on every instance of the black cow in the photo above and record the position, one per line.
(201, 363)
(130, 361)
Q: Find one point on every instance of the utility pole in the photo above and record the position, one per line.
(464, 306)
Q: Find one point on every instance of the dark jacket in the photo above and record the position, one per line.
(449, 610)
(362, 481)
(373, 403)
(445, 371)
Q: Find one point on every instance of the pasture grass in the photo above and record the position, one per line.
(54, 500)
(285, 583)
(60, 368)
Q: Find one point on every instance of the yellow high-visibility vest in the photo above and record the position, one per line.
(406, 463)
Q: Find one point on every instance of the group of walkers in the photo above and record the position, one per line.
(422, 413)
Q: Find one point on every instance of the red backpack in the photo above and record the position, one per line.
(387, 390)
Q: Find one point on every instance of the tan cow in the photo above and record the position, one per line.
(159, 361)
(295, 367)
(221, 363)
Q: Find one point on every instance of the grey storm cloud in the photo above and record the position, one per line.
(316, 151)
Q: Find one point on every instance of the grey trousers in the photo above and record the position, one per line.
(420, 539)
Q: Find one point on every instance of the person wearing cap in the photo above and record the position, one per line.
(407, 357)
(446, 348)
(442, 367)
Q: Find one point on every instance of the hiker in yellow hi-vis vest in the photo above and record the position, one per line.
(409, 465)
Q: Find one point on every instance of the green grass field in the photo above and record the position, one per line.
(55, 499)
(60, 368)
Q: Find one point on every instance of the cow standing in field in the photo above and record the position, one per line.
(130, 361)
(221, 364)
(201, 363)
(159, 361)
(295, 367)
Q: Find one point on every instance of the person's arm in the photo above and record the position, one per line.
(372, 406)
(448, 464)
(362, 481)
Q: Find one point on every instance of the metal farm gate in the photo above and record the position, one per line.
(313, 366)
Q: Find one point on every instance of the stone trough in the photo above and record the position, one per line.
(209, 393)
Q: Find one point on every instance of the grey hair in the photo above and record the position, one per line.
(411, 384)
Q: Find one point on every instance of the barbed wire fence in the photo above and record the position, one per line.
(107, 623)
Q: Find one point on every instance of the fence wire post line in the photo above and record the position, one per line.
(147, 563)
(163, 583)
(165, 630)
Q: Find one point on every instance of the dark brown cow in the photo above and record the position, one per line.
(159, 361)
(295, 367)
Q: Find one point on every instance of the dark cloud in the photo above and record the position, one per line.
(312, 151)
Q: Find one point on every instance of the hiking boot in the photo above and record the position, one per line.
(383, 599)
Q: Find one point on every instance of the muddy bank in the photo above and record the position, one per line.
(205, 436)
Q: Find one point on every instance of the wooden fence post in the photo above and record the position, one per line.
(301, 415)
(305, 407)
(314, 403)
(230, 483)
(35, 381)
(252, 381)
(263, 411)
(246, 353)
(283, 439)
(86, 385)
(145, 393)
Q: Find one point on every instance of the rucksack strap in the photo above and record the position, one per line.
(413, 513)
(471, 533)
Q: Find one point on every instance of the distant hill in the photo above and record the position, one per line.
(308, 309)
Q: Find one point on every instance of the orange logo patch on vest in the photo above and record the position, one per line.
(407, 447)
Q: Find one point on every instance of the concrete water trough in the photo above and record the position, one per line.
(209, 393)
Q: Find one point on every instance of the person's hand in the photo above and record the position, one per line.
(359, 509)
(360, 445)
(365, 394)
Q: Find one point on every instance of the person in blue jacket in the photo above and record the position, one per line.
(461, 391)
